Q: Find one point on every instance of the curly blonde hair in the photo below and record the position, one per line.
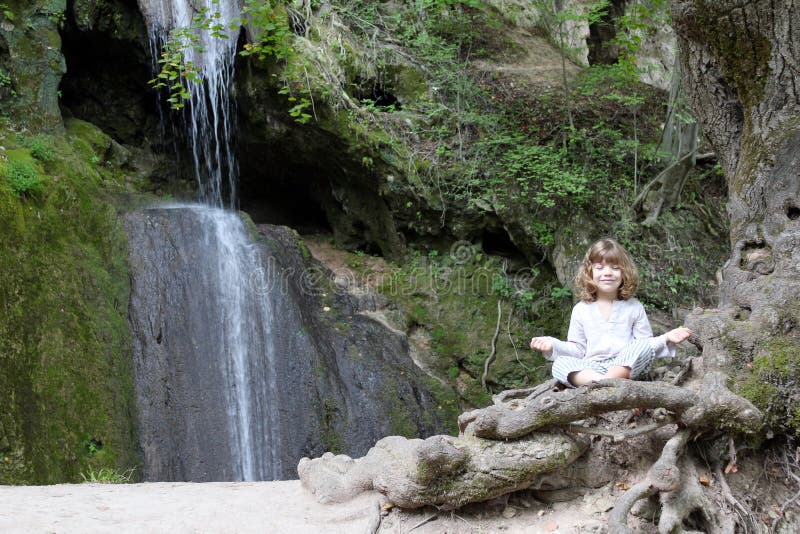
(607, 251)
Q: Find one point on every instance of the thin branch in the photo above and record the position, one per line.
(637, 204)
(747, 517)
(424, 521)
(490, 359)
(786, 504)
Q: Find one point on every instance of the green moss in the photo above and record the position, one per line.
(401, 422)
(455, 303)
(250, 226)
(87, 139)
(65, 363)
(408, 83)
(743, 54)
(332, 439)
(448, 406)
(773, 381)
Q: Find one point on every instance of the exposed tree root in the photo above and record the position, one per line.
(664, 476)
(791, 465)
(443, 471)
(717, 407)
(684, 506)
(689, 510)
(619, 435)
(513, 444)
(375, 518)
(551, 385)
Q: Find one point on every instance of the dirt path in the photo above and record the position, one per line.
(257, 507)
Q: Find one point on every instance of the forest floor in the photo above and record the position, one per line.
(259, 507)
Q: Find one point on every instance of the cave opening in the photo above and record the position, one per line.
(274, 188)
(600, 42)
(497, 242)
(108, 67)
(376, 94)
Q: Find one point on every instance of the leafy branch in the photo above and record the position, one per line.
(267, 22)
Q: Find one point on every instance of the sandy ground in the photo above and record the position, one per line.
(257, 507)
(224, 507)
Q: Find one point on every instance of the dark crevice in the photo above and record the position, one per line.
(6, 87)
(497, 242)
(743, 313)
(697, 522)
(284, 194)
(375, 94)
(368, 247)
(788, 325)
(792, 211)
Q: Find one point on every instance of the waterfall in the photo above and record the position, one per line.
(219, 322)
(204, 269)
(245, 327)
(209, 115)
(202, 313)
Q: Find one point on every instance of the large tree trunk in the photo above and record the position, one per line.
(740, 62)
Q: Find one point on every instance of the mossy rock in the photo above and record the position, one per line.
(65, 365)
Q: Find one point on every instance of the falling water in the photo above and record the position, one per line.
(229, 269)
(203, 316)
(245, 320)
(209, 115)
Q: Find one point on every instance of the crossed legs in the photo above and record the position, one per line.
(634, 361)
(581, 378)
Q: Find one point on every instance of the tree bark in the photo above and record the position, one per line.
(741, 69)
(506, 447)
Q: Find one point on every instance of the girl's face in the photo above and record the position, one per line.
(608, 278)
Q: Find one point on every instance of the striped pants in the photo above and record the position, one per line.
(638, 355)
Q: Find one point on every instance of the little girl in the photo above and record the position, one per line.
(609, 334)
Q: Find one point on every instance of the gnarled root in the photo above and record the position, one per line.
(498, 451)
(682, 497)
(689, 508)
(716, 407)
(442, 470)
(663, 476)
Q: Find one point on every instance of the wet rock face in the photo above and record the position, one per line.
(339, 380)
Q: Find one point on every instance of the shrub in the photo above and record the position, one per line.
(23, 177)
(41, 148)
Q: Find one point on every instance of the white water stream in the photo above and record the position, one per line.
(231, 264)
(209, 115)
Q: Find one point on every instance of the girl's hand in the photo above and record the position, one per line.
(678, 335)
(544, 344)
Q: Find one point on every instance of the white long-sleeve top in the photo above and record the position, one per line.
(592, 337)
